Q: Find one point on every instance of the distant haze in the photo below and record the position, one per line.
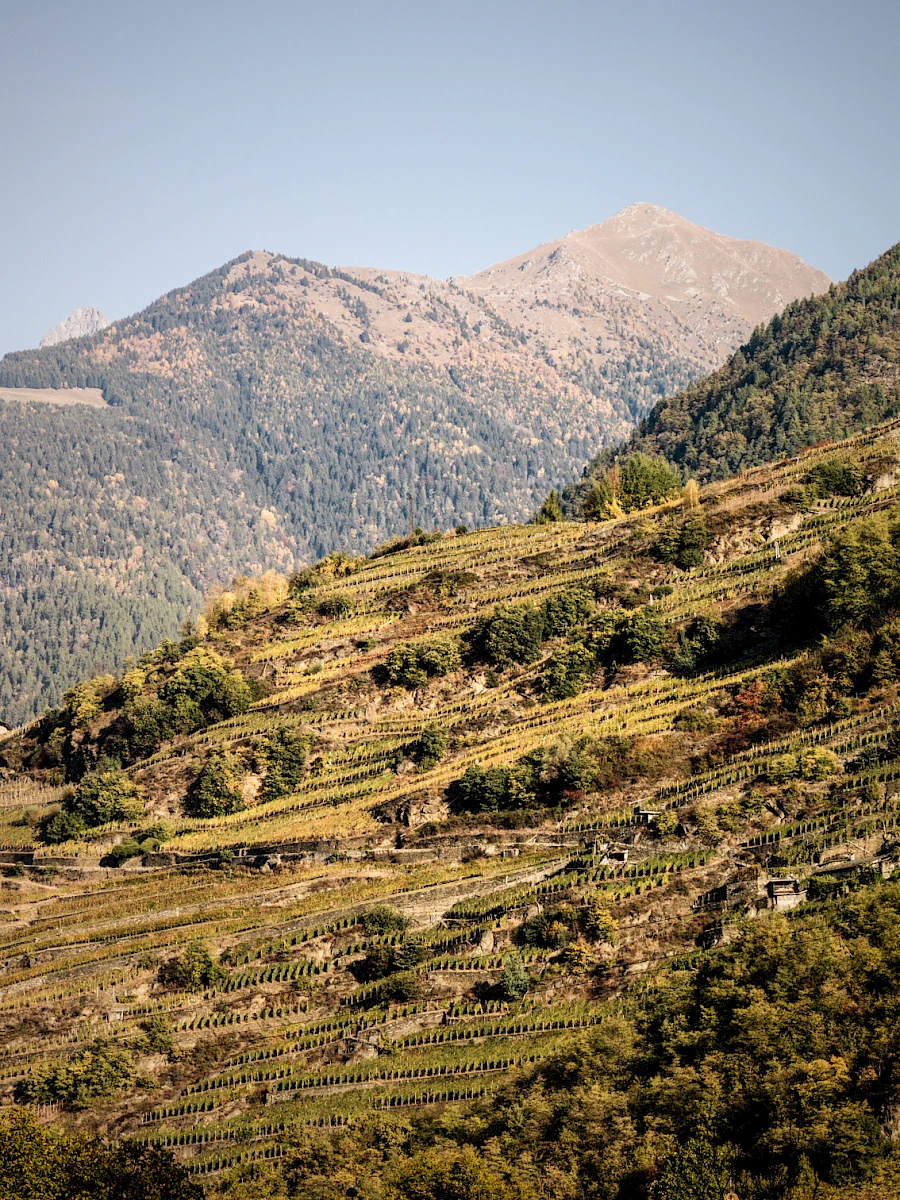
(144, 144)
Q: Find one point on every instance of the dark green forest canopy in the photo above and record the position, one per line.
(827, 367)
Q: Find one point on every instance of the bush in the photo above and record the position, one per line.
(412, 664)
(203, 690)
(216, 790)
(63, 827)
(514, 982)
(430, 747)
(641, 636)
(36, 1161)
(284, 757)
(192, 971)
(684, 543)
(104, 796)
(549, 511)
(567, 671)
(646, 479)
(97, 1072)
(512, 634)
(335, 607)
(383, 919)
(124, 850)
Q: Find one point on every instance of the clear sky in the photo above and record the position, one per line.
(145, 143)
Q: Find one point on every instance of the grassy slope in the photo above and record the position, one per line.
(288, 1038)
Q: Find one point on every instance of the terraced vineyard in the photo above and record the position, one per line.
(706, 783)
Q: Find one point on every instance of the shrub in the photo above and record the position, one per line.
(565, 610)
(383, 919)
(204, 689)
(646, 479)
(192, 971)
(430, 747)
(549, 511)
(641, 636)
(514, 982)
(818, 764)
(124, 850)
(63, 827)
(104, 796)
(567, 671)
(284, 757)
(216, 790)
(97, 1072)
(412, 664)
(335, 607)
(512, 634)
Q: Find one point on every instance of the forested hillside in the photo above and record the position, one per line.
(821, 370)
(247, 431)
(276, 410)
(545, 861)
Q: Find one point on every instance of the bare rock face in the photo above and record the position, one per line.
(81, 323)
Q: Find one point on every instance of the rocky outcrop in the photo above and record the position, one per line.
(81, 323)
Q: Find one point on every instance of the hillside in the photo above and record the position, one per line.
(276, 410)
(824, 368)
(637, 306)
(519, 857)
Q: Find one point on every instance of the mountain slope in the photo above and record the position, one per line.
(644, 300)
(823, 369)
(277, 409)
(389, 843)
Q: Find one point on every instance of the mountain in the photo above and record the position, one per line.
(277, 409)
(509, 863)
(821, 370)
(80, 323)
(628, 306)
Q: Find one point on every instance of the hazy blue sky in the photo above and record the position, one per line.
(145, 143)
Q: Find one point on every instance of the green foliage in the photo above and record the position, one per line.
(697, 1170)
(646, 479)
(216, 790)
(38, 1162)
(684, 542)
(84, 702)
(205, 688)
(641, 636)
(547, 776)
(336, 606)
(568, 670)
(383, 919)
(512, 634)
(284, 757)
(103, 796)
(600, 501)
(157, 1037)
(96, 1072)
(835, 478)
(549, 511)
(857, 579)
(106, 795)
(515, 981)
(122, 851)
(192, 971)
(429, 747)
(412, 664)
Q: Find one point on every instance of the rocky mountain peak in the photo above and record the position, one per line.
(80, 323)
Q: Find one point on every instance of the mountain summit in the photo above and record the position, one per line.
(615, 300)
(81, 323)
